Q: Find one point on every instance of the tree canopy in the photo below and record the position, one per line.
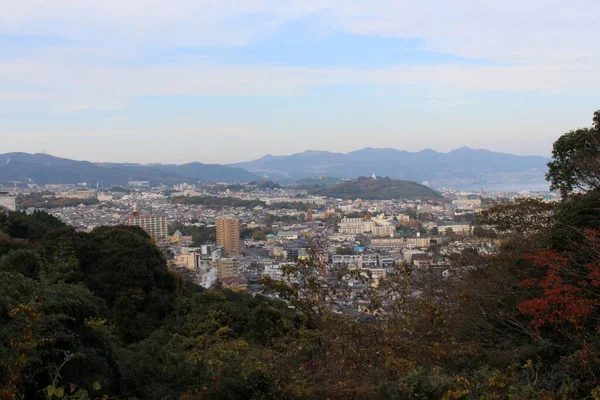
(576, 160)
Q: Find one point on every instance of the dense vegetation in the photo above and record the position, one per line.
(37, 200)
(200, 234)
(217, 203)
(86, 315)
(314, 183)
(376, 189)
(98, 314)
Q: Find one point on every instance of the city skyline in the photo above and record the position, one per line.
(220, 82)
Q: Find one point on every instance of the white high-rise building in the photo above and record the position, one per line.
(155, 226)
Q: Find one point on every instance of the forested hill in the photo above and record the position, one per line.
(368, 188)
(89, 315)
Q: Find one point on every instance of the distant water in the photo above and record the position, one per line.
(507, 187)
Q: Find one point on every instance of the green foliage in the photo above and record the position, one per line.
(292, 205)
(255, 233)
(217, 203)
(37, 200)
(119, 189)
(200, 234)
(576, 160)
(31, 227)
(379, 189)
(344, 251)
(24, 261)
(286, 219)
(8, 243)
(266, 185)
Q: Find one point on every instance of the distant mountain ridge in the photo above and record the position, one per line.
(43, 169)
(458, 167)
(462, 165)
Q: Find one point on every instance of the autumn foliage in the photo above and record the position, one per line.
(569, 293)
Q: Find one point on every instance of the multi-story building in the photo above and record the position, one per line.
(387, 230)
(227, 267)
(235, 283)
(355, 226)
(155, 226)
(228, 235)
(81, 194)
(8, 201)
(359, 261)
(188, 259)
(403, 218)
(417, 242)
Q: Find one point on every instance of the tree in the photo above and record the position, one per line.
(520, 217)
(576, 160)
(344, 251)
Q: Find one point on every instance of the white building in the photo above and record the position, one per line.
(460, 229)
(355, 226)
(155, 226)
(8, 201)
(80, 194)
(358, 261)
(387, 230)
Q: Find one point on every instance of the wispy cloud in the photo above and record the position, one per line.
(70, 108)
(77, 63)
(115, 118)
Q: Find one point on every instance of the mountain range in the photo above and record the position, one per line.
(463, 166)
(43, 168)
(460, 166)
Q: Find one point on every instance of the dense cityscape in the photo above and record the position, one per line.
(249, 231)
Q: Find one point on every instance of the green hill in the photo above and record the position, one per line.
(376, 189)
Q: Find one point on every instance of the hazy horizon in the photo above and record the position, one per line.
(223, 82)
(133, 161)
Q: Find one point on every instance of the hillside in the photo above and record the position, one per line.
(43, 168)
(316, 182)
(376, 189)
(460, 166)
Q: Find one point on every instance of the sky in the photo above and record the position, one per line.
(225, 81)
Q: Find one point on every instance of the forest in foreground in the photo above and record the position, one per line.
(100, 316)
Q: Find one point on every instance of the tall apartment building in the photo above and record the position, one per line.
(155, 226)
(228, 235)
(8, 201)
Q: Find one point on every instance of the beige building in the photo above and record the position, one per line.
(188, 260)
(235, 283)
(355, 226)
(80, 194)
(155, 226)
(227, 267)
(228, 235)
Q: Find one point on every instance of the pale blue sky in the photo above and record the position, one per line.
(218, 81)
